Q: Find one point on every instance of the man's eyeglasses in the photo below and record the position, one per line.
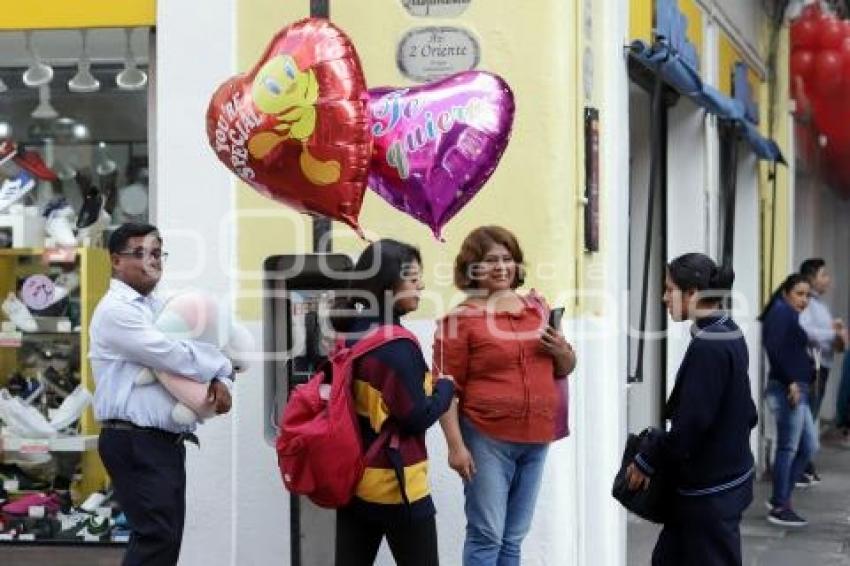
(145, 254)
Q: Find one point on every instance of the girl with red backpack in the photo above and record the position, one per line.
(393, 392)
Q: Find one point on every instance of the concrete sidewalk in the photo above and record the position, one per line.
(825, 542)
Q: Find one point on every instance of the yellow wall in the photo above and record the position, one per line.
(641, 20)
(776, 214)
(55, 14)
(533, 191)
(693, 13)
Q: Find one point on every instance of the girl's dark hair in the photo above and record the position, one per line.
(379, 269)
(786, 287)
(698, 272)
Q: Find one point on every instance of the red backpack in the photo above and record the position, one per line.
(319, 447)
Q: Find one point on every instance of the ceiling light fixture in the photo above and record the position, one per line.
(84, 81)
(38, 73)
(130, 78)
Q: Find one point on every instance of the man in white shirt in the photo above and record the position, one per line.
(826, 336)
(141, 446)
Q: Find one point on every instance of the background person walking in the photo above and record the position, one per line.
(789, 381)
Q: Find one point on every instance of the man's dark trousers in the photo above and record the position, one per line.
(148, 472)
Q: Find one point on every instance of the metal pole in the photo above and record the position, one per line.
(321, 244)
(321, 226)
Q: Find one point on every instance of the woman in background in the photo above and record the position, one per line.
(791, 374)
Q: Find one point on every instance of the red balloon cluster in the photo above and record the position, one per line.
(820, 84)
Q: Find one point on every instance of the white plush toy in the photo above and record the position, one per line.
(194, 315)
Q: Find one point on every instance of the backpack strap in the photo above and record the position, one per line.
(377, 444)
(380, 336)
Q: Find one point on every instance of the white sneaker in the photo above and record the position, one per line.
(71, 408)
(60, 219)
(93, 501)
(14, 189)
(92, 235)
(22, 420)
(66, 283)
(19, 314)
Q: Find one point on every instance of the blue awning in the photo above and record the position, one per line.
(682, 77)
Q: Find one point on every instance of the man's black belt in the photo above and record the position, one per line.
(175, 437)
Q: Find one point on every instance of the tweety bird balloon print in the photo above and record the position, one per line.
(296, 127)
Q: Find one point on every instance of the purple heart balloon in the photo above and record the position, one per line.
(437, 144)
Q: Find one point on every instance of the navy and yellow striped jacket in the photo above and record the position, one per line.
(393, 388)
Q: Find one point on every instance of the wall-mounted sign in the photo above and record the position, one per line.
(432, 53)
(436, 8)
(591, 180)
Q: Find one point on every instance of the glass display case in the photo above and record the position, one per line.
(73, 166)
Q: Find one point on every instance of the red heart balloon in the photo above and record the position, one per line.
(804, 34)
(802, 64)
(296, 126)
(827, 73)
(830, 33)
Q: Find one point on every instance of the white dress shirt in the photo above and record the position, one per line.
(817, 321)
(123, 341)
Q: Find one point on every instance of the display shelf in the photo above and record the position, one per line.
(76, 443)
(93, 266)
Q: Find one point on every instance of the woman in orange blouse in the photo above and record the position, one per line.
(505, 360)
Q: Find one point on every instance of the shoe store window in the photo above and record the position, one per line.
(73, 166)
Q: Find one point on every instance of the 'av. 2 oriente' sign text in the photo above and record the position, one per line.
(432, 53)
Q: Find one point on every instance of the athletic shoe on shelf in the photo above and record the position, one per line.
(11, 472)
(95, 500)
(14, 189)
(18, 313)
(68, 281)
(23, 420)
(59, 223)
(71, 408)
(21, 507)
(92, 235)
(72, 521)
(45, 528)
(11, 529)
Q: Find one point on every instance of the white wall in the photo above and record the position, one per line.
(686, 206)
(643, 398)
(747, 266)
(192, 201)
(599, 398)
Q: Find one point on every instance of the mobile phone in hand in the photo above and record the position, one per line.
(555, 316)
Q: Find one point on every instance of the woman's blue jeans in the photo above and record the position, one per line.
(500, 498)
(796, 443)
